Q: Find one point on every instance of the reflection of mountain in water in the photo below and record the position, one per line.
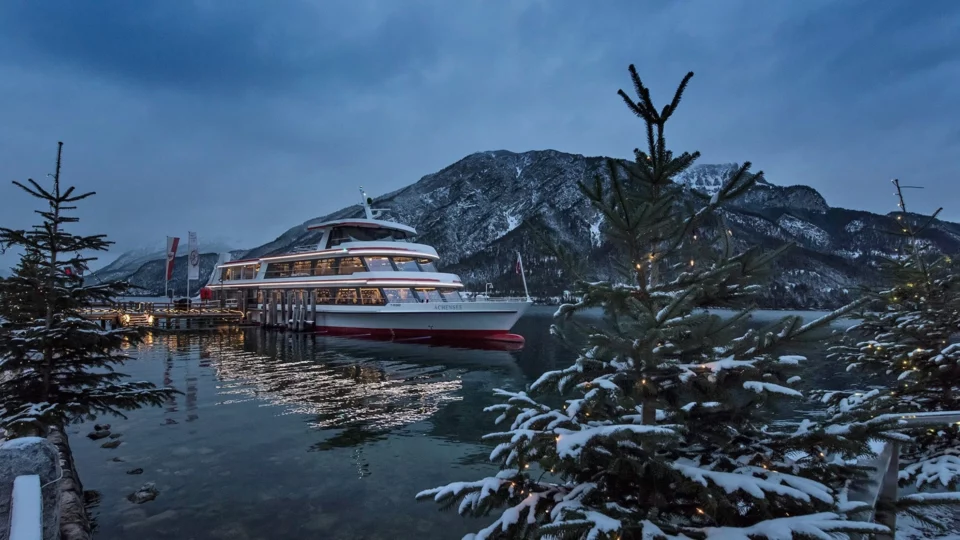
(362, 387)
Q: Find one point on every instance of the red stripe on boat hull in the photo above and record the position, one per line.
(411, 332)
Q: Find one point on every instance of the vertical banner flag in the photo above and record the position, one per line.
(193, 268)
(172, 242)
(519, 264)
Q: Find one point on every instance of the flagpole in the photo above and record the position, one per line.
(166, 274)
(523, 276)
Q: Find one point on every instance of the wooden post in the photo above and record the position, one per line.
(293, 310)
(301, 311)
(261, 308)
(278, 310)
(311, 307)
(286, 309)
(887, 514)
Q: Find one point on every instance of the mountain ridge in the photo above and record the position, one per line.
(474, 212)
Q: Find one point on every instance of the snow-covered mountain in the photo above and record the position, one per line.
(143, 267)
(480, 210)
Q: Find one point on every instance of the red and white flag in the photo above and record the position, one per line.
(172, 243)
(519, 266)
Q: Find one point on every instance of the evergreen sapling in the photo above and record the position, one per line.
(58, 367)
(670, 429)
(906, 345)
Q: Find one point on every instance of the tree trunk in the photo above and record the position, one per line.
(648, 415)
(52, 279)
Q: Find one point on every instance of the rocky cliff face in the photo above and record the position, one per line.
(477, 213)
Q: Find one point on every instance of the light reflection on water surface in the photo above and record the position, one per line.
(299, 436)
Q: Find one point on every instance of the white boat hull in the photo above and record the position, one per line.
(446, 319)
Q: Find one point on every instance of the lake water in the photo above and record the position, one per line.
(283, 436)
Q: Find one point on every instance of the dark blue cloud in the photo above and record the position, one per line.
(241, 118)
(223, 47)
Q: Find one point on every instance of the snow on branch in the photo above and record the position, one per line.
(822, 526)
(571, 443)
(754, 486)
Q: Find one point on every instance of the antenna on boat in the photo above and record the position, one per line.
(365, 201)
(370, 213)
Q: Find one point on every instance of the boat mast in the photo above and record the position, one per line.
(523, 275)
(368, 212)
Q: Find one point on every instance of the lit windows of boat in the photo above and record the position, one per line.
(379, 264)
(400, 296)
(346, 296)
(350, 265)
(278, 270)
(325, 296)
(301, 268)
(325, 267)
(250, 271)
(427, 265)
(451, 295)
(371, 297)
(406, 264)
(429, 295)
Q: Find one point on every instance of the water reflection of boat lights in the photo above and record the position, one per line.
(341, 392)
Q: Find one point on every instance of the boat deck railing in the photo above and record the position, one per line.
(498, 299)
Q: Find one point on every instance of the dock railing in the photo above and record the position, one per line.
(497, 299)
(203, 306)
(881, 489)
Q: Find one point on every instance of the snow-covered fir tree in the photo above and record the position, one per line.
(667, 428)
(56, 366)
(906, 346)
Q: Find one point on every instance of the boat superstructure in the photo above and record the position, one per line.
(364, 276)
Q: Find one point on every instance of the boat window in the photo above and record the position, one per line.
(347, 296)
(451, 295)
(278, 270)
(399, 296)
(351, 265)
(427, 265)
(429, 295)
(250, 272)
(325, 267)
(349, 233)
(301, 268)
(379, 264)
(406, 264)
(371, 296)
(325, 296)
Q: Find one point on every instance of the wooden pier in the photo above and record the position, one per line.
(167, 316)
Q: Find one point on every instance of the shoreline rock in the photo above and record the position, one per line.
(74, 522)
(146, 493)
(31, 456)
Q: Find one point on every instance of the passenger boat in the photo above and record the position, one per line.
(365, 277)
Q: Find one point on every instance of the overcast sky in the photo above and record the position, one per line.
(241, 118)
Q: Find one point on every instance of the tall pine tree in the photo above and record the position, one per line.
(906, 345)
(669, 431)
(56, 366)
